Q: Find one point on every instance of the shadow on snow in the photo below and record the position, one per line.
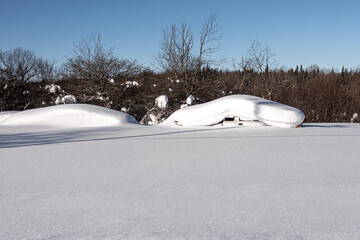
(89, 135)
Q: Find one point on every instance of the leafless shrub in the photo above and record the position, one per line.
(91, 60)
(18, 65)
(176, 53)
(46, 70)
(258, 58)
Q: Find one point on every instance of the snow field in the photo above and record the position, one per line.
(137, 182)
(116, 179)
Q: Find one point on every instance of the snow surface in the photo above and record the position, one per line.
(6, 114)
(69, 116)
(142, 182)
(243, 106)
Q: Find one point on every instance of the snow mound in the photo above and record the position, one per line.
(53, 88)
(70, 116)
(162, 101)
(243, 106)
(190, 99)
(68, 99)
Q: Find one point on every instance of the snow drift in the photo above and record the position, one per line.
(243, 106)
(70, 116)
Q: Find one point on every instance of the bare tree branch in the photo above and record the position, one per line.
(91, 60)
(18, 65)
(258, 57)
(208, 34)
(176, 48)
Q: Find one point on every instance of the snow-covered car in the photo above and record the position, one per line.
(68, 116)
(241, 110)
(230, 121)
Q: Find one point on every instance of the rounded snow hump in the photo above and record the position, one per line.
(242, 106)
(70, 116)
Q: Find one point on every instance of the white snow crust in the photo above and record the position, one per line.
(153, 182)
(243, 106)
(69, 116)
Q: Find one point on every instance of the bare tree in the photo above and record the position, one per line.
(244, 64)
(18, 65)
(258, 58)
(46, 70)
(91, 60)
(313, 67)
(209, 33)
(176, 48)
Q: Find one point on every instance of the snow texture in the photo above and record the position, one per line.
(190, 99)
(153, 182)
(354, 117)
(68, 99)
(131, 83)
(69, 116)
(161, 101)
(58, 101)
(6, 114)
(183, 105)
(53, 88)
(243, 106)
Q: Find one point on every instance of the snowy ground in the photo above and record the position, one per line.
(137, 182)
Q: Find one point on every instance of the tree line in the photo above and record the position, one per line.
(94, 74)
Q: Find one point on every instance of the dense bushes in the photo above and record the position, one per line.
(323, 96)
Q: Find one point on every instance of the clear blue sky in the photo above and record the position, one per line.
(326, 33)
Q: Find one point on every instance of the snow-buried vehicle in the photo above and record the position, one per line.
(241, 108)
(69, 116)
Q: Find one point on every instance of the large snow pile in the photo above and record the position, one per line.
(243, 106)
(69, 116)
